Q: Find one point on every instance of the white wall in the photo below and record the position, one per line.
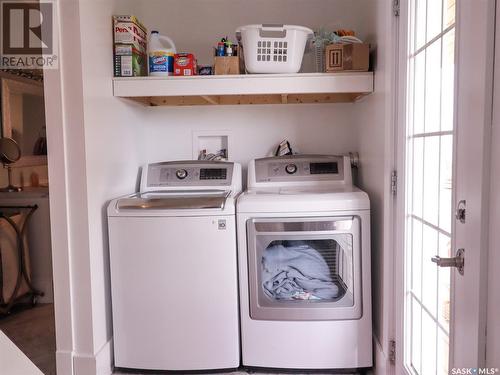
(255, 130)
(493, 308)
(113, 137)
(493, 312)
(196, 26)
(110, 136)
(374, 125)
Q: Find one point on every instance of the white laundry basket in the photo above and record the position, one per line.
(273, 48)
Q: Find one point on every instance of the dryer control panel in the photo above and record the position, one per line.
(187, 174)
(299, 168)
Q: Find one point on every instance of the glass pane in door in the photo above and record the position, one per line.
(428, 200)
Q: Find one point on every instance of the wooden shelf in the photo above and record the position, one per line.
(246, 89)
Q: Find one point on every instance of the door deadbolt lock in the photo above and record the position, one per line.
(460, 212)
(458, 261)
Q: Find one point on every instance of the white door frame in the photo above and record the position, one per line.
(66, 155)
(399, 216)
(59, 221)
(476, 37)
(59, 207)
(478, 42)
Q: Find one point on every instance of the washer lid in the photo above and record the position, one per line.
(175, 200)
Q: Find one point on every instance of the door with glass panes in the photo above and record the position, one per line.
(445, 76)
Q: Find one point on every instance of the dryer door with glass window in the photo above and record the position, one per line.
(305, 268)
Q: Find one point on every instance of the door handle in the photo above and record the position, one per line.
(458, 261)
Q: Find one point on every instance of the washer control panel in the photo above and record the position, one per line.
(299, 168)
(189, 174)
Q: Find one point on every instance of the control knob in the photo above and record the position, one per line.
(181, 174)
(291, 168)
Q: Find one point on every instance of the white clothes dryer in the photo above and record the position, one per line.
(304, 265)
(174, 269)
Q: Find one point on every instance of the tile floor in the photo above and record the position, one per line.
(33, 331)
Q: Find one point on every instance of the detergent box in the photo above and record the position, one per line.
(184, 64)
(129, 47)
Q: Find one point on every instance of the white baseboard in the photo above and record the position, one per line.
(64, 362)
(99, 364)
(84, 364)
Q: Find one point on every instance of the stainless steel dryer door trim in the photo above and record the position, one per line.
(303, 228)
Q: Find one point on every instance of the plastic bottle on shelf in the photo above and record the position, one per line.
(229, 49)
(161, 55)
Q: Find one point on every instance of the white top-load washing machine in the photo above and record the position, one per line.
(304, 265)
(174, 269)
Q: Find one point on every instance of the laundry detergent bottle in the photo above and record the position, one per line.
(161, 55)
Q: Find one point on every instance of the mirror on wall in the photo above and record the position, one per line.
(23, 118)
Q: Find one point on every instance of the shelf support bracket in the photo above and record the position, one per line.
(211, 99)
(284, 98)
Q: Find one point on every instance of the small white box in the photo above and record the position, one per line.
(211, 141)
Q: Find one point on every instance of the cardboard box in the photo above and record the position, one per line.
(129, 62)
(129, 47)
(184, 64)
(353, 57)
(227, 65)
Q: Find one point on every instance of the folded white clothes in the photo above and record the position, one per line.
(296, 272)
